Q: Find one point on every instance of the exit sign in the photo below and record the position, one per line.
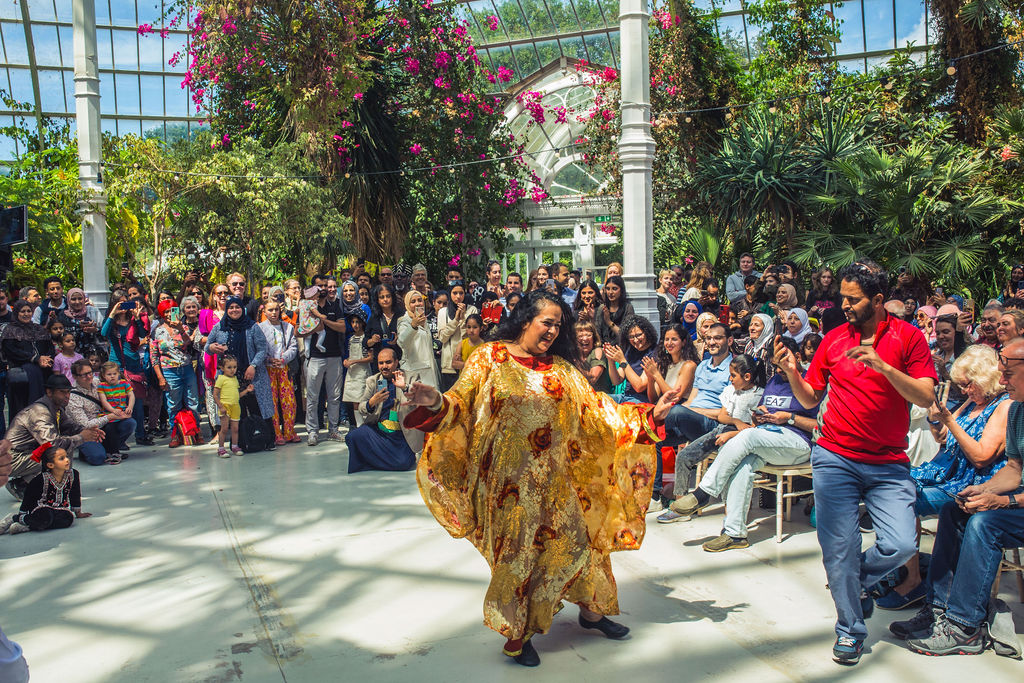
(606, 219)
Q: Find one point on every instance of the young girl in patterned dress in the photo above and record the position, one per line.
(53, 499)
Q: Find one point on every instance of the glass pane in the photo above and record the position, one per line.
(103, 48)
(729, 5)
(132, 127)
(549, 52)
(878, 22)
(102, 11)
(851, 66)
(611, 11)
(64, 9)
(176, 97)
(910, 22)
(108, 126)
(126, 50)
(41, 10)
(565, 20)
(69, 89)
(152, 96)
(730, 30)
(107, 104)
(851, 29)
(538, 17)
(127, 94)
(462, 13)
(7, 148)
(9, 10)
(589, 12)
(14, 43)
(502, 56)
(122, 13)
(573, 47)
(67, 45)
(513, 21)
(527, 58)
(153, 130)
(149, 12)
(615, 38)
(51, 91)
(45, 41)
(702, 5)
(599, 48)
(482, 9)
(151, 56)
(874, 62)
(754, 40)
(21, 85)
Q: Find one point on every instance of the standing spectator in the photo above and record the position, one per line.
(614, 269)
(584, 308)
(824, 292)
(538, 277)
(236, 284)
(402, 275)
(789, 274)
(513, 283)
(666, 302)
(29, 352)
(451, 327)
(560, 274)
(382, 326)
(324, 366)
(419, 279)
(987, 325)
(238, 335)
(123, 329)
(357, 366)
(874, 368)
(1014, 288)
(1010, 326)
(493, 274)
(282, 348)
(6, 315)
(66, 356)
(170, 352)
(81, 319)
(54, 302)
(614, 308)
(415, 343)
(734, 284)
(208, 319)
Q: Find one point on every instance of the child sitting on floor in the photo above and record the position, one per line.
(53, 499)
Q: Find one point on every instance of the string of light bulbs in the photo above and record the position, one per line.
(887, 82)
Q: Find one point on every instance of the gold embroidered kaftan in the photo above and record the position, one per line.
(545, 477)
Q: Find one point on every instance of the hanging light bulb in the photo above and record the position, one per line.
(825, 96)
(951, 69)
(772, 109)
(889, 84)
(689, 120)
(348, 175)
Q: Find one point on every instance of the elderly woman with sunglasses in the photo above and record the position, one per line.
(974, 449)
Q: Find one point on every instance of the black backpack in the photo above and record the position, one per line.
(254, 435)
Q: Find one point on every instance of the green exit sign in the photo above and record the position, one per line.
(607, 219)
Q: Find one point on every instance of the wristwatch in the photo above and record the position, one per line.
(1013, 501)
(792, 420)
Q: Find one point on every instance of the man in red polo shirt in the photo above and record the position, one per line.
(866, 374)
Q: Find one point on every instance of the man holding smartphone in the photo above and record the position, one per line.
(380, 442)
(873, 368)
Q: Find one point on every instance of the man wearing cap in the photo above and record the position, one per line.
(45, 420)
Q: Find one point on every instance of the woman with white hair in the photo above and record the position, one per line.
(974, 449)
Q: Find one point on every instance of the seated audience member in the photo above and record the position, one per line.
(987, 326)
(45, 420)
(637, 340)
(379, 443)
(781, 437)
(85, 408)
(969, 541)
(595, 364)
(974, 438)
(747, 304)
(673, 366)
(739, 398)
(696, 416)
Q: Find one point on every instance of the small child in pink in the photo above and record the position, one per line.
(63, 361)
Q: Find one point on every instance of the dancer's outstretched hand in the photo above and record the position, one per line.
(420, 394)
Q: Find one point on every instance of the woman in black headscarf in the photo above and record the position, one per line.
(238, 334)
(29, 353)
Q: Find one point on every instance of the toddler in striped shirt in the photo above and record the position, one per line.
(114, 390)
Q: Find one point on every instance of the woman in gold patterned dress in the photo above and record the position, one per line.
(544, 475)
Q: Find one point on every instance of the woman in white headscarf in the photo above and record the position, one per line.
(762, 331)
(797, 324)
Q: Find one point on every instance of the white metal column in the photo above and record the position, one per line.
(636, 150)
(87, 116)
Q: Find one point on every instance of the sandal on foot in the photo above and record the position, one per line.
(113, 459)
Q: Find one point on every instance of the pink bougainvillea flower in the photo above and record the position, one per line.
(492, 22)
(412, 65)
(145, 29)
(505, 75)
(416, 148)
(609, 74)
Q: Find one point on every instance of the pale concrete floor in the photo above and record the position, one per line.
(282, 567)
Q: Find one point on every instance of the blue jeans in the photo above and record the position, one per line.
(930, 500)
(962, 589)
(182, 391)
(888, 492)
(683, 424)
(117, 434)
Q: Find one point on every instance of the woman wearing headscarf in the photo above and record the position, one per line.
(29, 353)
(81, 319)
(417, 346)
(924, 318)
(797, 324)
(239, 335)
(686, 315)
(762, 331)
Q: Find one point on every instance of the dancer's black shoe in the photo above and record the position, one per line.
(611, 629)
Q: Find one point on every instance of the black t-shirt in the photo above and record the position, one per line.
(333, 338)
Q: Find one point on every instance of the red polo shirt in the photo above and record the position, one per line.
(862, 416)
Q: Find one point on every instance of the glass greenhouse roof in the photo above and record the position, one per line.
(142, 94)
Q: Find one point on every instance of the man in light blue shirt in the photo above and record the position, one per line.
(696, 416)
(734, 288)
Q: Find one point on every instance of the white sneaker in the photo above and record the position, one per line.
(18, 528)
(335, 436)
(311, 440)
(6, 523)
